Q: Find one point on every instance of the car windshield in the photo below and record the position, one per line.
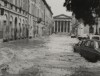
(80, 42)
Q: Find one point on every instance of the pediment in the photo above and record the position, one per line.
(62, 16)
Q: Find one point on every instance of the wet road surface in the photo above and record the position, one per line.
(49, 56)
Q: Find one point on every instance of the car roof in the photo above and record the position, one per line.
(92, 40)
(95, 35)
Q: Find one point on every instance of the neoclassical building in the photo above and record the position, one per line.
(62, 23)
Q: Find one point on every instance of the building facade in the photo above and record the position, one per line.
(14, 17)
(62, 23)
(39, 9)
(18, 18)
(79, 29)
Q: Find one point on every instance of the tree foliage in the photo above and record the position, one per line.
(84, 9)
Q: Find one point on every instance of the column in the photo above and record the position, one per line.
(69, 27)
(54, 26)
(66, 26)
(60, 26)
(63, 26)
(57, 26)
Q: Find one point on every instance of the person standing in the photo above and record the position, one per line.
(39, 29)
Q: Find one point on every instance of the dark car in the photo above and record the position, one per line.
(90, 50)
(78, 46)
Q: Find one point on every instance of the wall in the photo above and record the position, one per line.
(19, 19)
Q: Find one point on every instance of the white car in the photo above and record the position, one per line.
(96, 37)
(73, 36)
(82, 36)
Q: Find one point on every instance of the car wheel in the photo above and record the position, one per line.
(75, 50)
(93, 59)
(81, 53)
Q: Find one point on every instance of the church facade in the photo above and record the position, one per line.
(62, 24)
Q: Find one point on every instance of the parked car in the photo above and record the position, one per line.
(96, 37)
(84, 36)
(89, 49)
(78, 46)
(73, 36)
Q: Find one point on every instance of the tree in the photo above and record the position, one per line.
(84, 9)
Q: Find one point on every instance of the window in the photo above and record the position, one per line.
(80, 42)
(92, 44)
(4, 22)
(99, 31)
(97, 44)
(87, 43)
(16, 9)
(5, 3)
(23, 12)
(2, 11)
(19, 10)
(11, 6)
(20, 27)
(83, 43)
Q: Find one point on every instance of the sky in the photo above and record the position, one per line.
(57, 7)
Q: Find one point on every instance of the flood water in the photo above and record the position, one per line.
(47, 56)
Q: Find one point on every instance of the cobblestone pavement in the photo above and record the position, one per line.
(48, 56)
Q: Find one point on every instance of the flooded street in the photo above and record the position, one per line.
(48, 56)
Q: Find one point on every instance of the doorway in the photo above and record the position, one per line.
(15, 30)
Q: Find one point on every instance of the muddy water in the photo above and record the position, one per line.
(51, 56)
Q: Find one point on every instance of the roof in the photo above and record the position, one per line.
(62, 16)
(49, 8)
